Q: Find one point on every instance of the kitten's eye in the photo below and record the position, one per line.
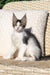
(23, 26)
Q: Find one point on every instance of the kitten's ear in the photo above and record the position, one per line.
(23, 20)
(14, 19)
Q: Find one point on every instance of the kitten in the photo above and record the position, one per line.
(24, 42)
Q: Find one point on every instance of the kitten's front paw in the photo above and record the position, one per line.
(17, 58)
(6, 57)
(22, 59)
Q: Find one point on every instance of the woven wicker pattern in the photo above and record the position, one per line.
(14, 70)
(11, 67)
(33, 5)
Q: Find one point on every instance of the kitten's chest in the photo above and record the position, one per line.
(17, 37)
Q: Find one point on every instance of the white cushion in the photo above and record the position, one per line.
(5, 31)
(35, 19)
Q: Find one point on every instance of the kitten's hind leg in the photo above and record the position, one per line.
(31, 58)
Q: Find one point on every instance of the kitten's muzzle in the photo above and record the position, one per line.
(17, 28)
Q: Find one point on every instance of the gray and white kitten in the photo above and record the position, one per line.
(24, 44)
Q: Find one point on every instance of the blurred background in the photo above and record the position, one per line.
(3, 2)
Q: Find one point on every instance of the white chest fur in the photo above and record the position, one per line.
(17, 38)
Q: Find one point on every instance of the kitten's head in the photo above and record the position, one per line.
(19, 25)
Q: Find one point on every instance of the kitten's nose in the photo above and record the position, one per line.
(17, 27)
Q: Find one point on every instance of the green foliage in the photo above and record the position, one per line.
(3, 2)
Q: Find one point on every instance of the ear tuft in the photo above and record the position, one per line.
(23, 20)
(14, 19)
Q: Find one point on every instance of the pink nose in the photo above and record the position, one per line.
(17, 27)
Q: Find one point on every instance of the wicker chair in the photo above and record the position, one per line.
(29, 68)
(33, 5)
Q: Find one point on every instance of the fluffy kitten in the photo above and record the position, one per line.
(24, 42)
